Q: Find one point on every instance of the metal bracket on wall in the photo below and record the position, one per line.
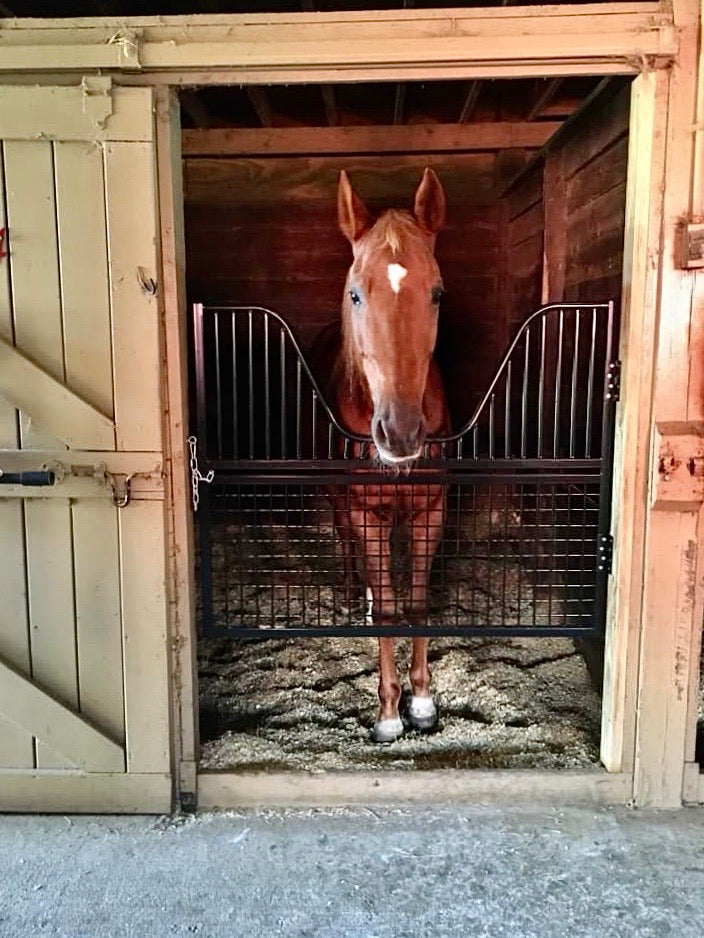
(677, 478)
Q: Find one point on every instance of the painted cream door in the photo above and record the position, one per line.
(84, 715)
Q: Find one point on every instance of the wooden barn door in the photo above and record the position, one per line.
(84, 711)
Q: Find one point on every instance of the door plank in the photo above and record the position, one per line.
(130, 197)
(98, 619)
(51, 605)
(34, 264)
(55, 408)
(34, 709)
(83, 254)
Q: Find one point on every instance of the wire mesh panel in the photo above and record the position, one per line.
(501, 528)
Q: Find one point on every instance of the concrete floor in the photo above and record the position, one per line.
(494, 871)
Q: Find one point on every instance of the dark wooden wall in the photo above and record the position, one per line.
(264, 232)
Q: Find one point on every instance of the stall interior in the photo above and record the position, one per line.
(534, 174)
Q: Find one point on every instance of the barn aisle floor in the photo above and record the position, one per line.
(357, 873)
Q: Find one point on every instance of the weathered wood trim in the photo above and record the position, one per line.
(402, 138)
(181, 592)
(505, 786)
(62, 729)
(51, 404)
(320, 46)
(673, 589)
(632, 456)
(76, 792)
(51, 113)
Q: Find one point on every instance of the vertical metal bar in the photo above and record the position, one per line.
(475, 442)
(314, 421)
(507, 412)
(235, 415)
(251, 388)
(206, 563)
(558, 387)
(282, 359)
(608, 425)
(590, 391)
(330, 439)
(298, 407)
(541, 387)
(267, 391)
(491, 426)
(573, 388)
(524, 398)
(218, 390)
(201, 407)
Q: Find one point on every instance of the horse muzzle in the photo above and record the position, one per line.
(398, 431)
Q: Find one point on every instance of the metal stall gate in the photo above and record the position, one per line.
(525, 545)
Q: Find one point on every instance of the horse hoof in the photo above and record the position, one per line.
(422, 714)
(387, 731)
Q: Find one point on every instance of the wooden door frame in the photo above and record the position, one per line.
(654, 628)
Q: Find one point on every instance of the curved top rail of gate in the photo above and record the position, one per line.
(257, 398)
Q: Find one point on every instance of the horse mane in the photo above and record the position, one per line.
(393, 230)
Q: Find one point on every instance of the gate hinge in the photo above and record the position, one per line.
(613, 382)
(97, 99)
(605, 553)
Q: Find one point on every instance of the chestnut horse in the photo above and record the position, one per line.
(382, 380)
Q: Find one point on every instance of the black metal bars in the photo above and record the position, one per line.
(526, 481)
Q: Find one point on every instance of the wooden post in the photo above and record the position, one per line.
(654, 628)
(181, 547)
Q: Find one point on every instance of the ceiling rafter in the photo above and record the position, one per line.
(261, 104)
(327, 90)
(193, 104)
(470, 101)
(546, 90)
(400, 95)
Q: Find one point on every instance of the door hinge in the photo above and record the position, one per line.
(605, 553)
(613, 382)
(97, 99)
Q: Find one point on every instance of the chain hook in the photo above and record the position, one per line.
(196, 475)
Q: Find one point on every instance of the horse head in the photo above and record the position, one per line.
(390, 312)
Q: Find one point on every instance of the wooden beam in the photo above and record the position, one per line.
(53, 406)
(415, 138)
(260, 102)
(327, 90)
(470, 101)
(399, 100)
(547, 89)
(391, 44)
(56, 725)
(328, 93)
(193, 105)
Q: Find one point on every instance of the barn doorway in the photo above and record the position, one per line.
(535, 180)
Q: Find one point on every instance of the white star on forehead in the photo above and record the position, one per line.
(396, 274)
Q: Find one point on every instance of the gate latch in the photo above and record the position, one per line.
(196, 475)
(677, 480)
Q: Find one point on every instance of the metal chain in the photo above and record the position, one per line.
(196, 475)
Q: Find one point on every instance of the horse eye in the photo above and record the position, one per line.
(436, 295)
(355, 297)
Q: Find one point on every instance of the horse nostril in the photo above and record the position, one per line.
(379, 432)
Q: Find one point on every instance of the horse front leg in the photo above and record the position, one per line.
(374, 533)
(426, 531)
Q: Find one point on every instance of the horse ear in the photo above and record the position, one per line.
(352, 214)
(429, 207)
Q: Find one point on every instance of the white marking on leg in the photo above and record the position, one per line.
(396, 274)
(368, 618)
(422, 708)
(387, 731)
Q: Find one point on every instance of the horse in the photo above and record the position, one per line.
(379, 374)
